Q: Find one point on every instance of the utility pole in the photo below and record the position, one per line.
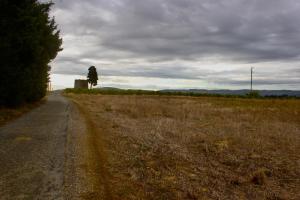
(49, 87)
(251, 78)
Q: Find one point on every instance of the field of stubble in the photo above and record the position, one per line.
(160, 147)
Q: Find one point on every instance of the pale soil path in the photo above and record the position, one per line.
(43, 154)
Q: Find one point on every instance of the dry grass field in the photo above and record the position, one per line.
(160, 147)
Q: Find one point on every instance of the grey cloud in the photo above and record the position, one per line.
(225, 77)
(159, 31)
(260, 82)
(255, 30)
(172, 72)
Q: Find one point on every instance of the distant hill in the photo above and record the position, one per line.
(265, 93)
(292, 93)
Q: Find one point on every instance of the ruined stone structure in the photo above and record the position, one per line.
(82, 84)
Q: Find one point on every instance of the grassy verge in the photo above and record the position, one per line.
(144, 92)
(9, 114)
(167, 147)
(115, 91)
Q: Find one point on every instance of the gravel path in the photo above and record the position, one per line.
(39, 155)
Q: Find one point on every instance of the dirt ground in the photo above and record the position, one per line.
(49, 152)
(156, 147)
(32, 152)
(10, 114)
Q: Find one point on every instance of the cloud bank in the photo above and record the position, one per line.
(212, 41)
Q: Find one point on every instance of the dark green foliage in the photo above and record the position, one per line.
(253, 94)
(29, 40)
(92, 76)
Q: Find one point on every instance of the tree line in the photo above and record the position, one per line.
(29, 41)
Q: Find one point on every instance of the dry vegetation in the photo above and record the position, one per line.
(9, 114)
(198, 148)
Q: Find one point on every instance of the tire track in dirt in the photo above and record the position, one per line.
(96, 159)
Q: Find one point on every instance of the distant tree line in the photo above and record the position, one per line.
(29, 40)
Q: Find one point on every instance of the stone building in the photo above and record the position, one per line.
(82, 84)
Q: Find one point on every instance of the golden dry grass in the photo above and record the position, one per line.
(198, 148)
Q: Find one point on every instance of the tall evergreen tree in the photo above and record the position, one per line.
(29, 40)
(92, 76)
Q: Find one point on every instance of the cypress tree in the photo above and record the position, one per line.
(92, 76)
(29, 40)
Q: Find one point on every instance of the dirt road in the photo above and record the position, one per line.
(38, 153)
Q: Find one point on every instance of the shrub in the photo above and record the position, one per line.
(253, 94)
(29, 40)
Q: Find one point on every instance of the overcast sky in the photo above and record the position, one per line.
(155, 44)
